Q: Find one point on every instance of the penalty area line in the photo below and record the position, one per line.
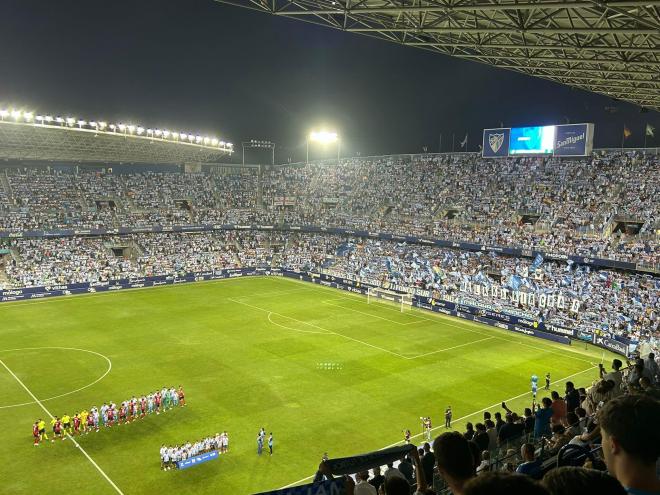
(98, 468)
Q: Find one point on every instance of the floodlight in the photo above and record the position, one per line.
(323, 137)
(59, 120)
(93, 124)
(70, 120)
(40, 118)
(166, 133)
(122, 127)
(222, 144)
(48, 118)
(131, 128)
(198, 139)
(214, 142)
(191, 138)
(81, 123)
(183, 135)
(140, 130)
(4, 113)
(229, 145)
(16, 114)
(28, 116)
(102, 125)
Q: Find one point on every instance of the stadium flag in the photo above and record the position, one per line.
(464, 142)
(536, 263)
(335, 486)
(355, 464)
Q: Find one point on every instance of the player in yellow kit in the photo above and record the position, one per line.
(66, 424)
(42, 430)
(83, 419)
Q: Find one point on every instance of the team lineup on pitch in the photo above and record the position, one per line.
(237, 386)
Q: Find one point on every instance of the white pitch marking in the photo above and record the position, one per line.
(270, 314)
(372, 315)
(112, 483)
(321, 328)
(67, 393)
(450, 348)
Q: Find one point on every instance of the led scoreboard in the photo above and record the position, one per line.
(557, 140)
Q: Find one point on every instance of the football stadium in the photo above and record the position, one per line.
(226, 312)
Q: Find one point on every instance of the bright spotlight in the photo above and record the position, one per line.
(16, 114)
(166, 133)
(214, 142)
(140, 130)
(59, 120)
(81, 123)
(122, 127)
(48, 118)
(4, 113)
(102, 125)
(70, 120)
(323, 137)
(28, 116)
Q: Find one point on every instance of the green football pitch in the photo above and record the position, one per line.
(320, 368)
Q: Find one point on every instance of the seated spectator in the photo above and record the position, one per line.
(531, 466)
(573, 425)
(495, 483)
(569, 480)
(454, 460)
(558, 439)
(484, 465)
(631, 442)
(648, 389)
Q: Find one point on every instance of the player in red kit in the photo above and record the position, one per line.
(157, 400)
(35, 433)
(111, 416)
(182, 396)
(143, 406)
(76, 424)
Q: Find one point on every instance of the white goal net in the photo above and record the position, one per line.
(377, 295)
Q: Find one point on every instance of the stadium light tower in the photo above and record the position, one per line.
(323, 137)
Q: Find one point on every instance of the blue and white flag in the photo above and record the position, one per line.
(536, 263)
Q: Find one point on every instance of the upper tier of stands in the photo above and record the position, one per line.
(607, 206)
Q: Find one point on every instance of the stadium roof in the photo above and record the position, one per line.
(25, 136)
(608, 47)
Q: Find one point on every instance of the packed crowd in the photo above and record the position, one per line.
(172, 454)
(454, 197)
(109, 414)
(601, 440)
(609, 302)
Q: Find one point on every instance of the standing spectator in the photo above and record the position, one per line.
(428, 462)
(392, 471)
(378, 478)
(495, 483)
(469, 431)
(492, 435)
(448, 417)
(572, 397)
(651, 367)
(530, 465)
(529, 421)
(508, 432)
(558, 408)
(598, 395)
(481, 437)
(542, 418)
(406, 468)
(615, 375)
(363, 487)
(499, 422)
(454, 460)
(631, 442)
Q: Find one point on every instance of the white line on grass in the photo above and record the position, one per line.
(456, 420)
(450, 348)
(112, 483)
(372, 315)
(320, 328)
(447, 320)
(270, 314)
(67, 393)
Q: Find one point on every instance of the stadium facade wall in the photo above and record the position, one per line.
(491, 318)
(463, 246)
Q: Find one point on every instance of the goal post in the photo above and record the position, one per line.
(401, 300)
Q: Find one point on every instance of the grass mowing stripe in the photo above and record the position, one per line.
(98, 468)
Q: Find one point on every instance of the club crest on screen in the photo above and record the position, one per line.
(495, 141)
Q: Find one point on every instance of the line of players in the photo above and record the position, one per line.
(170, 456)
(109, 414)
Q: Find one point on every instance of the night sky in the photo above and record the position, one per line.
(200, 66)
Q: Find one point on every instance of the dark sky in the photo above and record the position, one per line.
(200, 66)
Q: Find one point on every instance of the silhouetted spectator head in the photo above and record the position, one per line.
(454, 460)
(554, 394)
(569, 480)
(395, 485)
(499, 483)
(546, 402)
(527, 452)
(616, 364)
(631, 440)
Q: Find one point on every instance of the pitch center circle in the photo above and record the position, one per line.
(108, 370)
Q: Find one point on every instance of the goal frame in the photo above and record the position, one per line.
(401, 299)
